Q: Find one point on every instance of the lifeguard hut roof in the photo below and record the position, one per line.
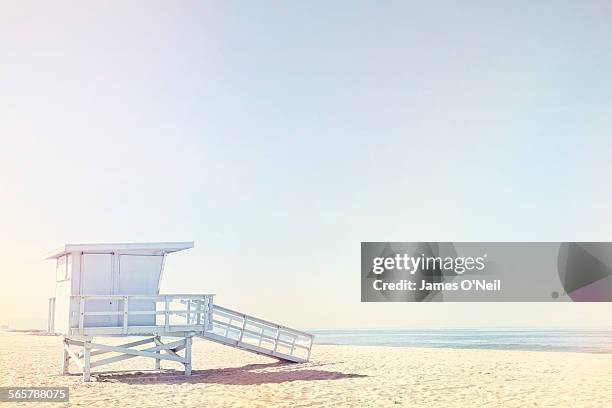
(148, 247)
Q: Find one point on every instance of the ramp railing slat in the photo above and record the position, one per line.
(261, 336)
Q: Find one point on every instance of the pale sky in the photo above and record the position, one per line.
(279, 135)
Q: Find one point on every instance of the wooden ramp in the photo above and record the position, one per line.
(256, 335)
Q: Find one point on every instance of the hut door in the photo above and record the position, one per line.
(97, 279)
(139, 275)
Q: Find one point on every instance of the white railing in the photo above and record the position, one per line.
(183, 314)
(134, 314)
(262, 336)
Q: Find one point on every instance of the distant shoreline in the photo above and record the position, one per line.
(575, 340)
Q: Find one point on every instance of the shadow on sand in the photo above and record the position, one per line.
(273, 373)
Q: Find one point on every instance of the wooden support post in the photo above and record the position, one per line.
(188, 341)
(71, 354)
(157, 360)
(65, 357)
(87, 360)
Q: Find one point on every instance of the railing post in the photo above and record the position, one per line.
(309, 349)
(199, 312)
(81, 314)
(167, 314)
(208, 312)
(278, 330)
(227, 329)
(188, 311)
(293, 345)
(125, 314)
(261, 336)
(244, 323)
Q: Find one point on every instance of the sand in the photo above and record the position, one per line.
(336, 376)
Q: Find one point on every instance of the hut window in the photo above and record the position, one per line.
(68, 266)
(61, 268)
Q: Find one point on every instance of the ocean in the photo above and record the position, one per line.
(591, 340)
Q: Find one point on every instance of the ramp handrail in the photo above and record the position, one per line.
(259, 335)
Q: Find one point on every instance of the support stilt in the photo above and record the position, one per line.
(87, 360)
(188, 342)
(157, 360)
(65, 357)
(125, 351)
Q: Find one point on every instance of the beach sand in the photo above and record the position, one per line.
(335, 376)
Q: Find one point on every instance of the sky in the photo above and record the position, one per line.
(279, 135)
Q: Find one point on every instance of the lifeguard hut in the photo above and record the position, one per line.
(110, 290)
